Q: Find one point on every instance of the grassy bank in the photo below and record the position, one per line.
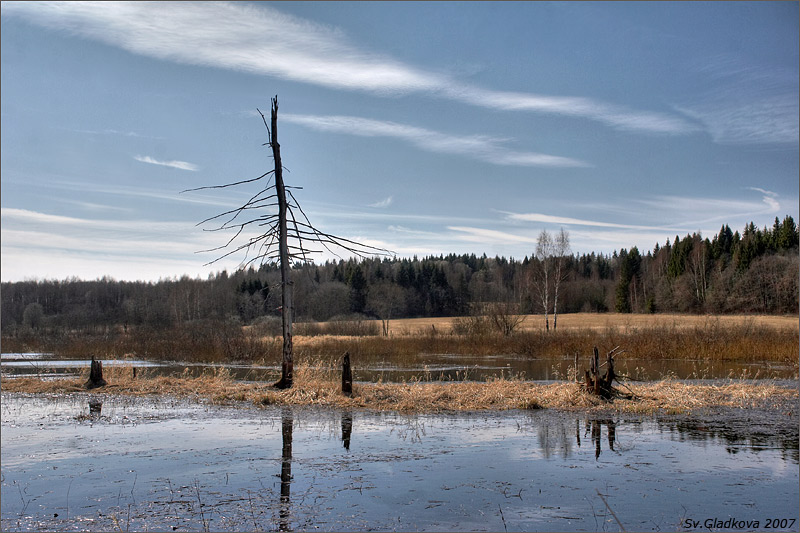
(746, 339)
(317, 385)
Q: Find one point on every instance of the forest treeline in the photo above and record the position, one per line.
(755, 271)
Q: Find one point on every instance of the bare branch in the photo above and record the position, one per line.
(229, 184)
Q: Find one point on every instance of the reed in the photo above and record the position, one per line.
(319, 384)
(711, 339)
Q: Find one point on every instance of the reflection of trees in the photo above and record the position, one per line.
(287, 425)
(553, 439)
(552, 436)
(596, 428)
(738, 434)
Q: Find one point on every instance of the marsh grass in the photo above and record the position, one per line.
(318, 383)
(711, 339)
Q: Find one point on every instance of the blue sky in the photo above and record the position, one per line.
(424, 128)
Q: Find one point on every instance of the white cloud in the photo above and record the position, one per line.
(182, 165)
(693, 211)
(44, 245)
(263, 40)
(747, 104)
(770, 199)
(616, 116)
(490, 236)
(386, 202)
(567, 221)
(482, 147)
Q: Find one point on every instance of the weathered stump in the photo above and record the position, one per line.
(347, 375)
(597, 384)
(96, 375)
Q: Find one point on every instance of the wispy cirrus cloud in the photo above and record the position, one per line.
(747, 104)
(567, 221)
(46, 245)
(482, 147)
(678, 213)
(182, 165)
(482, 235)
(386, 202)
(263, 40)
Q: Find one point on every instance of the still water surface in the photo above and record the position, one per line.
(449, 367)
(164, 464)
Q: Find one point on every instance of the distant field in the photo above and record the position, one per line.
(599, 321)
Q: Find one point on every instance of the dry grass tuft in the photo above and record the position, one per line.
(317, 384)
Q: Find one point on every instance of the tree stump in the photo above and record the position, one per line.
(96, 375)
(597, 384)
(347, 375)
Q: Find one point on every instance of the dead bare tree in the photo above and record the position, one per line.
(289, 229)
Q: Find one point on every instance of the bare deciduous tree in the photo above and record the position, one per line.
(549, 271)
(286, 238)
(561, 248)
(542, 274)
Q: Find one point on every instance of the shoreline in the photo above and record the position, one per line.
(315, 387)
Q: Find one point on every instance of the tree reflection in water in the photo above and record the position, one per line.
(347, 428)
(287, 425)
(553, 436)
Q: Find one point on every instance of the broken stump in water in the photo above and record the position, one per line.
(601, 385)
(347, 375)
(96, 375)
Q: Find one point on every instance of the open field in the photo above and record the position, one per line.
(601, 321)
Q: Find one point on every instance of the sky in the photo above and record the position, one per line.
(421, 128)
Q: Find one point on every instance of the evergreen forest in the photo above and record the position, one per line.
(755, 271)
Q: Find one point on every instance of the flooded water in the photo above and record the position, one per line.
(446, 367)
(169, 465)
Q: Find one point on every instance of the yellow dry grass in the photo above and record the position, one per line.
(317, 385)
(602, 321)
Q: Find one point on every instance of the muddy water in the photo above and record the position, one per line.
(162, 464)
(448, 367)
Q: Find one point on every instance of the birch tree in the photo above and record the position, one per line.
(550, 270)
(542, 272)
(561, 249)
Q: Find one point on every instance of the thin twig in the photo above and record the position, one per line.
(621, 527)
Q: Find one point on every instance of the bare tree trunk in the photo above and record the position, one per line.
(287, 305)
(561, 249)
(555, 301)
(347, 375)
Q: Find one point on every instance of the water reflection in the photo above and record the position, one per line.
(284, 512)
(737, 435)
(596, 429)
(554, 440)
(347, 428)
(95, 408)
(434, 367)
